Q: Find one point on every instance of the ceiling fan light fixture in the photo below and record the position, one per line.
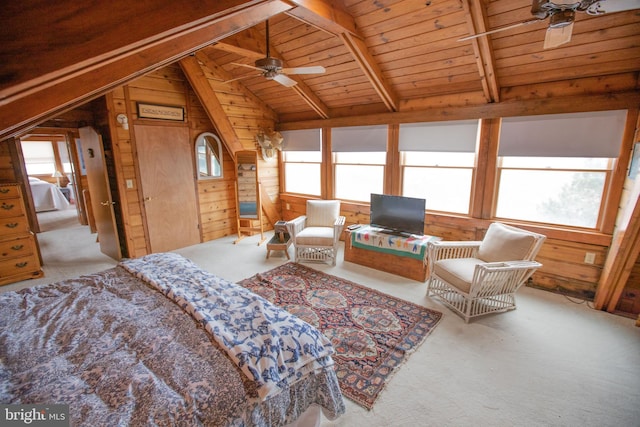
(269, 63)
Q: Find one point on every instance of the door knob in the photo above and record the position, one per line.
(107, 203)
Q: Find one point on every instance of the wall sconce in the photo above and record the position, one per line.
(270, 142)
(123, 120)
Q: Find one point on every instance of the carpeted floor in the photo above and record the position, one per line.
(372, 333)
(551, 362)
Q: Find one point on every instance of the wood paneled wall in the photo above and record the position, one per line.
(562, 254)
(217, 206)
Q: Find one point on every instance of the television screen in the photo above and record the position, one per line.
(398, 214)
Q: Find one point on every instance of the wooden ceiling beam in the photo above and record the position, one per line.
(245, 44)
(335, 19)
(371, 70)
(31, 96)
(248, 43)
(476, 20)
(207, 96)
(331, 17)
(569, 104)
(218, 71)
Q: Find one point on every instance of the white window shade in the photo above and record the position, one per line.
(454, 136)
(302, 140)
(359, 138)
(594, 134)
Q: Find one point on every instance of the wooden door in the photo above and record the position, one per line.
(167, 179)
(100, 191)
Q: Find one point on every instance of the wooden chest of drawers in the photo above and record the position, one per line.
(19, 259)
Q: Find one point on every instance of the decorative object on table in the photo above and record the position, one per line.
(316, 234)
(474, 278)
(373, 333)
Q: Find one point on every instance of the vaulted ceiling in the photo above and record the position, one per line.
(400, 55)
(380, 56)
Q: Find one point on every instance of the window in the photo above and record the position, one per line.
(209, 156)
(302, 160)
(437, 163)
(359, 158)
(555, 190)
(556, 168)
(442, 179)
(358, 174)
(39, 157)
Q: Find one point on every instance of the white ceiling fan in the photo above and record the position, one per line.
(561, 15)
(273, 69)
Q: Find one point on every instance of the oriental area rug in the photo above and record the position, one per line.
(372, 333)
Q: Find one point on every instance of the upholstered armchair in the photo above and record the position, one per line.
(315, 236)
(474, 278)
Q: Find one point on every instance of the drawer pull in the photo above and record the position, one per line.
(11, 225)
(7, 207)
(4, 190)
(17, 247)
(22, 264)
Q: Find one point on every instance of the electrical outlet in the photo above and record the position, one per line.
(129, 183)
(590, 258)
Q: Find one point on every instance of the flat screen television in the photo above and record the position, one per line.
(398, 214)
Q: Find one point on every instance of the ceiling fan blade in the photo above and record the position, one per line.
(508, 27)
(247, 66)
(242, 77)
(557, 36)
(284, 80)
(318, 69)
(610, 6)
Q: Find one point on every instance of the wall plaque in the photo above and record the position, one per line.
(162, 112)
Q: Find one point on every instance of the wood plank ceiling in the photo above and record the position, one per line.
(380, 56)
(405, 55)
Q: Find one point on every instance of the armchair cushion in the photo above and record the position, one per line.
(457, 271)
(502, 243)
(315, 236)
(322, 213)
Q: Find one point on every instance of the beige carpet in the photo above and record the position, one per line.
(551, 362)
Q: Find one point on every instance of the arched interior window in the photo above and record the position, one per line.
(209, 156)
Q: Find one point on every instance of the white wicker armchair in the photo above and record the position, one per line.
(474, 278)
(315, 236)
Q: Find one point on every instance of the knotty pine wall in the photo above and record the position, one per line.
(562, 254)
(217, 207)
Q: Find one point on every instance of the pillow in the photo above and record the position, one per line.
(502, 243)
(322, 213)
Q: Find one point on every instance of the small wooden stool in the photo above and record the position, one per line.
(281, 239)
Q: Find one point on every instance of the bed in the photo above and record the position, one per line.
(159, 341)
(46, 196)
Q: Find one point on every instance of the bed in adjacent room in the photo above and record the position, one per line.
(159, 341)
(46, 196)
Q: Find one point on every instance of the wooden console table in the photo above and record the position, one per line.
(386, 260)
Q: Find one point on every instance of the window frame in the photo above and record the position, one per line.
(606, 190)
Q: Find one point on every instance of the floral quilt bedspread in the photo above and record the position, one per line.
(120, 353)
(272, 347)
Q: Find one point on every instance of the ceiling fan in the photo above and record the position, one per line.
(561, 15)
(272, 68)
